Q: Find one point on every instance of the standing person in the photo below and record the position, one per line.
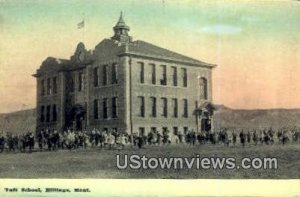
(150, 137)
(123, 140)
(70, 140)
(266, 138)
(271, 135)
(226, 138)
(45, 137)
(40, 139)
(118, 141)
(110, 140)
(214, 137)
(229, 134)
(97, 137)
(23, 142)
(49, 140)
(242, 138)
(261, 137)
(165, 137)
(234, 136)
(176, 139)
(135, 139)
(101, 139)
(20, 142)
(10, 142)
(2, 142)
(285, 137)
(63, 139)
(248, 137)
(202, 138)
(105, 137)
(30, 141)
(144, 137)
(16, 141)
(255, 137)
(180, 136)
(140, 141)
(193, 137)
(85, 139)
(158, 137)
(93, 137)
(154, 139)
(55, 139)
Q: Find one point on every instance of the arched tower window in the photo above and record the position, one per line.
(203, 88)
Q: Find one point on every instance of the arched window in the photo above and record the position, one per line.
(203, 88)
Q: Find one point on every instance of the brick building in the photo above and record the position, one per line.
(124, 85)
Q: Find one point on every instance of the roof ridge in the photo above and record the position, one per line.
(187, 58)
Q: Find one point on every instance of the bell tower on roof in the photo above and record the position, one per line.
(121, 31)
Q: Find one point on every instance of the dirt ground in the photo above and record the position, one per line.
(102, 163)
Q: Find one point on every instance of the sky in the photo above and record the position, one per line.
(256, 44)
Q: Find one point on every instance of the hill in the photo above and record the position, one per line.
(18, 122)
(22, 121)
(257, 118)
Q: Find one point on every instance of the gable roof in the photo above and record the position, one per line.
(108, 49)
(142, 48)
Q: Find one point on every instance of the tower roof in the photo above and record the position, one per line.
(121, 23)
(121, 31)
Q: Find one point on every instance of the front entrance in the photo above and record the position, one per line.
(205, 125)
(76, 118)
(204, 115)
(79, 123)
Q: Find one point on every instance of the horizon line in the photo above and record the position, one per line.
(218, 105)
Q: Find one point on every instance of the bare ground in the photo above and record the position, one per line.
(101, 163)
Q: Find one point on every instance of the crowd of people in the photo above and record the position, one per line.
(52, 139)
(14, 142)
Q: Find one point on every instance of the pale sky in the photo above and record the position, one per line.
(256, 44)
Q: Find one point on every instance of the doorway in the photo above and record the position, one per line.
(79, 121)
(205, 125)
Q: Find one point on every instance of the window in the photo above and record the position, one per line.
(104, 75)
(54, 113)
(153, 129)
(163, 80)
(153, 106)
(165, 130)
(42, 113)
(174, 76)
(80, 81)
(164, 107)
(115, 131)
(114, 76)
(142, 72)
(185, 108)
(153, 74)
(184, 77)
(185, 130)
(71, 83)
(48, 113)
(49, 88)
(141, 131)
(203, 88)
(96, 115)
(54, 85)
(104, 108)
(175, 130)
(142, 106)
(175, 107)
(114, 107)
(96, 77)
(43, 87)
